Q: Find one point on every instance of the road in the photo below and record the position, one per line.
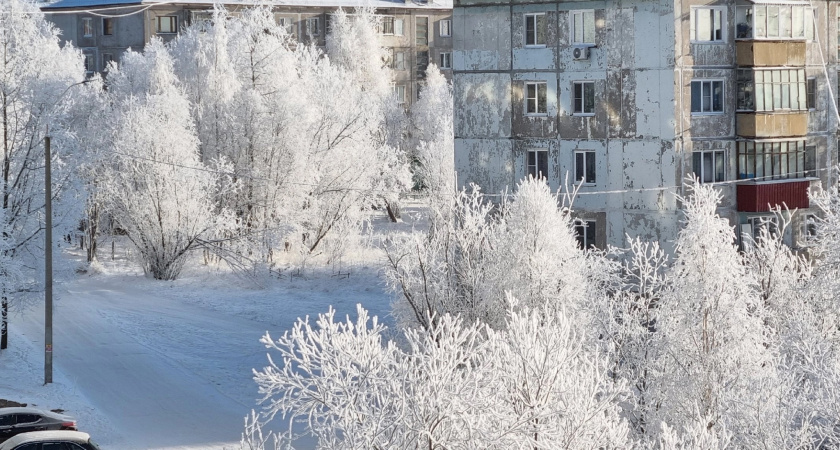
(169, 365)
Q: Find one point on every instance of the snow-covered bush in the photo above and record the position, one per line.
(534, 385)
(155, 184)
(475, 252)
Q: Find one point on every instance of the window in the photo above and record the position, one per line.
(537, 163)
(107, 26)
(708, 24)
(446, 60)
(585, 166)
(810, 161)
(774, 22)
(585, 233)
(167, 24)
(811, 93)
(398, 62)
(754, 226)
(534, 30)
(584, 98)
(422, 64)
(775, 160)
(771, 89)
(398, 27)
(27, 418)
(106, 59)
(709, 166)
(387, 25)
(535, 98)
(810, 229)
(313, 26)
(399, 94)
(446, 28)
(287, 24)
(87, 26)
(583, 27)
(90, 61)
(421, 30)
(707, 96)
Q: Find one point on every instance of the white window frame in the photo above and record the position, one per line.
(89, 54)
(583, 14)
(418, 19)
(173, 21)
(711, 17)
(446, 60)
(581, 227)
(716, 157)
(579, 104)
(537, 18)
(795, 21)
(538, 111)
(754, 224)
(588, 157)
(534, 169)
(703, 110)
(287, 23)
(399, 27)
(87, 26)
(445, 29)
(398, 63)
(309, 27)
(399, 91)
(383, 29)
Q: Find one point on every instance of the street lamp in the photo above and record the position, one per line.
(48, 269)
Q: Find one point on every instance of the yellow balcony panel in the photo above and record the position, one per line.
(772, 125)
(770, 53)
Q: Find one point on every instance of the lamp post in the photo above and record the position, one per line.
(48, 263)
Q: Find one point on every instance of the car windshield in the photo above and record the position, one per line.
(93, 445)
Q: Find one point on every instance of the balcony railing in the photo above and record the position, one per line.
(762, 196)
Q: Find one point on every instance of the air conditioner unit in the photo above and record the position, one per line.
(580, 53)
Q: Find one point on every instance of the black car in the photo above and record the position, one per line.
(18, 420)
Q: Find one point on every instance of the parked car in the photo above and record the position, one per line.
(18, 420)
(50, 440)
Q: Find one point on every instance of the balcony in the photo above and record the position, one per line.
(761, 196)
(771, 125)
(770, 53)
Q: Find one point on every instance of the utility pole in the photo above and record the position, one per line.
(48, 281)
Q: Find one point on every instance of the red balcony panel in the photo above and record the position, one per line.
(760, 197)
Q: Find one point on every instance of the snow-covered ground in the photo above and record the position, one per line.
(146, 364)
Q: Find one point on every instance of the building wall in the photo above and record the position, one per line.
(642, 62)
(136, 30)
(631, 129)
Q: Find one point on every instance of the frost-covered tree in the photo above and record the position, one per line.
(35, 75)
(475, 252)
(155, 184)
(535, 385)
(432, 132)
(715, 358)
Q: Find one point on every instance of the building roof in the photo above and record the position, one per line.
(412, 4)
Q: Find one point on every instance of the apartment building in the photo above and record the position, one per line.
(416, 33)
(626, 98)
